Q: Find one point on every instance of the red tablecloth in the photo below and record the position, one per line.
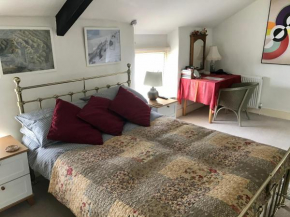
(203, 90)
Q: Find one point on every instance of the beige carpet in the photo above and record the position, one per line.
(262, 129)
(267, 130)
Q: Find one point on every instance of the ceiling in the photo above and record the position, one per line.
(154, 16)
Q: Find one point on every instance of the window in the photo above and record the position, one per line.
(153, 62)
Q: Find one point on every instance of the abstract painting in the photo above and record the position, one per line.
(102, 46)
(26, 50)
(276, 46)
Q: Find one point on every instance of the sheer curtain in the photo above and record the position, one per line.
(153, 62)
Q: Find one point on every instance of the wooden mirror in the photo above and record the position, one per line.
(197, 50)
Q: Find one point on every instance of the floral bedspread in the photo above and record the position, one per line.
(172, 168)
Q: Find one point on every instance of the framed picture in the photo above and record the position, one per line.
(103, 46)
(276, 46)
(24, 50)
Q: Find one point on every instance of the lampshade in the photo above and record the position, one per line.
(153, 79)
(213, 54)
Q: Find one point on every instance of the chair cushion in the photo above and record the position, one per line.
(131, 107)
(67, 127)
(97, 114)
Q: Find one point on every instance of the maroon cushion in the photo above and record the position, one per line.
(131, 107)
(97, 114)
(67, 127)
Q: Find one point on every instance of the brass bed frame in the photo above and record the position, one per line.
(19, 89)
(277, 189)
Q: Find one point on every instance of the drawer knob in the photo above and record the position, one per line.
(168, 106)
(2, 188)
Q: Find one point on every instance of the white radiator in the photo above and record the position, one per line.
(255, 101)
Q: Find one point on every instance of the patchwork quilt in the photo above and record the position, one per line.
(171, 168)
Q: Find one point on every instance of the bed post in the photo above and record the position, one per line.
(18, 92)
(285, 188)
(129, 74)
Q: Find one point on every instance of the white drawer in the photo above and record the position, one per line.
(168, 110)
(15, 190)
(13, 168)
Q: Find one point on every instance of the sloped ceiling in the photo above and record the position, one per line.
(154, 16)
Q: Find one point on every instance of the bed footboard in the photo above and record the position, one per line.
(278, 192)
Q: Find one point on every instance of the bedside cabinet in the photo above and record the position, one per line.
(15, 182)
(164, 107)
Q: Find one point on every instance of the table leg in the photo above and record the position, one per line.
(184, 107)
(196, 90)
(210, 115)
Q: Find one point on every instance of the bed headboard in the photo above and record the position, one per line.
(19, 90)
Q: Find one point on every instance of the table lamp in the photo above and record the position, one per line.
(213, 56)
(153, 79)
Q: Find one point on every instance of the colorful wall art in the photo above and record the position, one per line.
(276, 46)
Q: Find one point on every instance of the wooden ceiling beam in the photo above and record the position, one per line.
(68, 14)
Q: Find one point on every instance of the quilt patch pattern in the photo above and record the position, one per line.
(171, 168)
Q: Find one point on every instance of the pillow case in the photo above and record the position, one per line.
(97, 114)
(29, 135)
(31, 144)
(111, 93)
(131, 107)
(67, 127)
(36, 124)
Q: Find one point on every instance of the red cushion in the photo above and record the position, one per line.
(131, 107)
(67, 127)
(97, 114)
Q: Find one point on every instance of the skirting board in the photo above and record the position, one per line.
(271, 113)
(189, 108)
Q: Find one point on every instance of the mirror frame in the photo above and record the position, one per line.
(193, 39)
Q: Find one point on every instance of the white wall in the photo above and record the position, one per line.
(70, 62)
(150, 41)
(171, 79)
(240, 40)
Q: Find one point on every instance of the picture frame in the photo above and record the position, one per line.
(102, 45)
(277, 38)
(35, 52)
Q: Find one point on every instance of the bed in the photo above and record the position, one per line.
(171, 168)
